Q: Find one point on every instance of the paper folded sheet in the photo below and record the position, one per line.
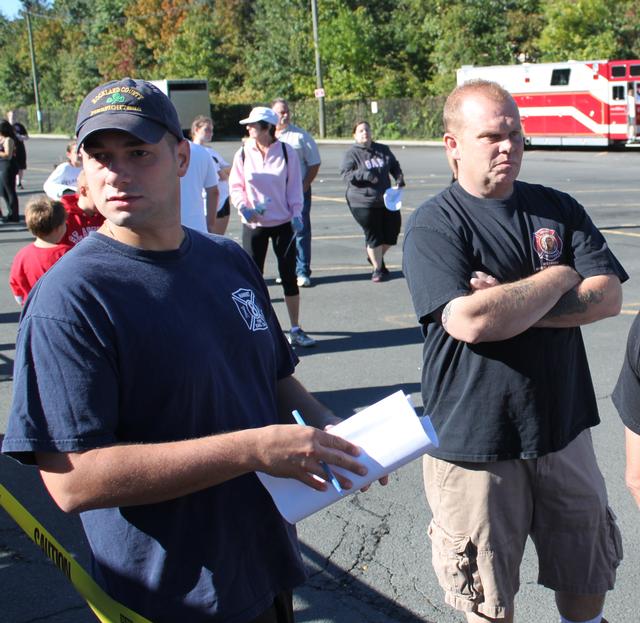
(390, 435)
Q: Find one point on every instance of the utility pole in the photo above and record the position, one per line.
(319, 89)
(34, 71)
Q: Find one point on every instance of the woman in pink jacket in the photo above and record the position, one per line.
(265, 186)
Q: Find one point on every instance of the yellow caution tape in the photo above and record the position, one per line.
(104, 607)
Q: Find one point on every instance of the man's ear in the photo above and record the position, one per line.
(183, 153)
(451, 145)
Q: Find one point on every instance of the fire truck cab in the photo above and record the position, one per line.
(575, 103)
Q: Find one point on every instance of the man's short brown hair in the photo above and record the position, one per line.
(43, 215)
(453, 105)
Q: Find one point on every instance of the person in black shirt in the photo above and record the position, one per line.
(626, 398)
(21, 152)
(502, 274)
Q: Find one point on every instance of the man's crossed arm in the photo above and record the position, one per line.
(556, 297)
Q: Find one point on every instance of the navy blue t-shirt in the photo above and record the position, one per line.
(626, 395)
(517, 398)
(119, 345)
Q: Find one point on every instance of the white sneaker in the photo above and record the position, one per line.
(304, 282)
(300, 338)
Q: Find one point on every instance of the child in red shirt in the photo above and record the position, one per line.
(46, 220)
(82, 215)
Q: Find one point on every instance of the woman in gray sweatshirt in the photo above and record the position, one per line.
(366, 168)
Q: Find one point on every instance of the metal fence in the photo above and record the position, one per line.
(394, 119)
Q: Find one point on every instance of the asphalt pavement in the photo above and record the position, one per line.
(369, 556)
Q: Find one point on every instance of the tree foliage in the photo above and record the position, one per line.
(254, 50)
(590, 29)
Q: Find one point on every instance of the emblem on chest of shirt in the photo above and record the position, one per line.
(548, 245)
(250, 311)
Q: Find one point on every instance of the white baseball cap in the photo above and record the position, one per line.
(261, 113)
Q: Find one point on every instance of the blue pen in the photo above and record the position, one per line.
(327, 470)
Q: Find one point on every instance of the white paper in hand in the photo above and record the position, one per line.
(389, 433)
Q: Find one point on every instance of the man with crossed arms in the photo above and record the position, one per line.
(502, 274)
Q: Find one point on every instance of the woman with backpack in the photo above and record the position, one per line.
(265, 187)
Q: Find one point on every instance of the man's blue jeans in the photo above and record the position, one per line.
(303, 240)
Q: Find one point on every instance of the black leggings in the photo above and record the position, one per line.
(8, 174)
(256, 242)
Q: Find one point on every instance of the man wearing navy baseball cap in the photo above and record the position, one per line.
(128, 105)
(132, 396)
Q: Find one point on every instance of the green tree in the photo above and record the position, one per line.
(279, 60)
(16, 86)
(628, 30)
(95, 42)
(348, 47)
(525, 21)
(579, 30)
(405, 62)
(210, 43)
(467, 32)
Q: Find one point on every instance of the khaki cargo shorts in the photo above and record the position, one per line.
(484, 512)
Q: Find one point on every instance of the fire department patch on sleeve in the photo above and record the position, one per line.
(251, 313)
(548, 245)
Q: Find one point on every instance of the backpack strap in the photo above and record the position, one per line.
(285, 155)
(286, 160)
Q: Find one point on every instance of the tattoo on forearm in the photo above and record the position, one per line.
(519, 290)
(446, 312)
(573, 303)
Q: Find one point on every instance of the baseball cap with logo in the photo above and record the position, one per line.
(133, 106)
(261, 113)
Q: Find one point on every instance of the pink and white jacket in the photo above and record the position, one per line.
(270, 183)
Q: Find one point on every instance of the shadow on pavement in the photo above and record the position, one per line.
(349, 400)
(25, 239)
(364, 276)
(332, 582)
(8, 317)
(341, 278)
(345, 341)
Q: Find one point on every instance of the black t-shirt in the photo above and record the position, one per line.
(626, 395)
(522, 397)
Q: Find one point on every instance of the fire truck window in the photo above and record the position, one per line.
(634, 70)
(560, 77)
(618, 71)
(618, 93)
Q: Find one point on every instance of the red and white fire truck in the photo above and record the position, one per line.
(572, 103)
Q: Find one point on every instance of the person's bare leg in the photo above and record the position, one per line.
(293, 308)
(220, 226)
(375, 255)
(579, 607)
